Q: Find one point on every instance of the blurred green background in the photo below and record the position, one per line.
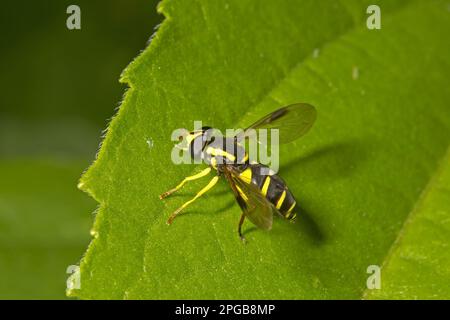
(59, 88)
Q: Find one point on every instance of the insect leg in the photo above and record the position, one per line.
(190, 178)
(241, 221)
(198, 195)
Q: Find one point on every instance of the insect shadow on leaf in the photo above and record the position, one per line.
(330, 162)
(323, 165)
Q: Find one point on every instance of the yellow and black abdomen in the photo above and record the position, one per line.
(273, 188)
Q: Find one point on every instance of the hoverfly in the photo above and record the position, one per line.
(259, 194)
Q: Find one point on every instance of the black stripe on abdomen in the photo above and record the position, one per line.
(274, 191)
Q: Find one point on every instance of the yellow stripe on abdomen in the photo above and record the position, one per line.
(288, 213)
(265, 186)
(281, 199)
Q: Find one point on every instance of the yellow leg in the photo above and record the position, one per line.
(190, 178)
(198, 195)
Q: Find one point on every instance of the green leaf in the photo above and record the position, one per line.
(43, 226)
(417, 266)
(383, 126)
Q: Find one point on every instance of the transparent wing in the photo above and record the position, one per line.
(292, 121)
(252, 202)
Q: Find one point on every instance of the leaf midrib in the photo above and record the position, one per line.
(440, 167)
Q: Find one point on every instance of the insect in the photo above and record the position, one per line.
(259, 193)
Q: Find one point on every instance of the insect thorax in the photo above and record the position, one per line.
(224, 151)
